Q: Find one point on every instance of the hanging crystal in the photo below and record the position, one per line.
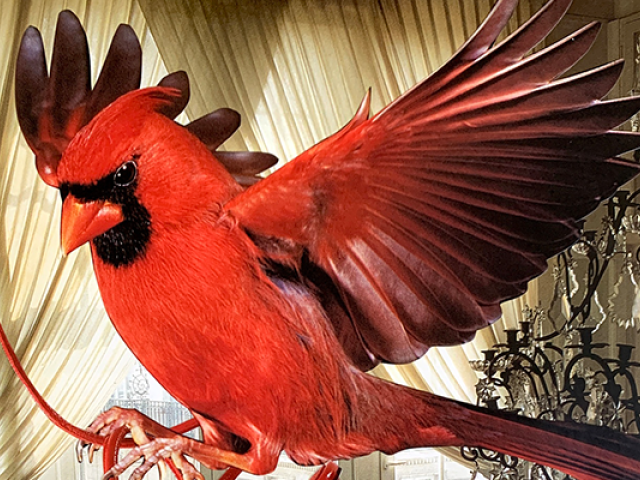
(624, 301)
(631, 223)
(598, 313)
(558, 304)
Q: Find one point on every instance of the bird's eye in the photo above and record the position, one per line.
(126, 174)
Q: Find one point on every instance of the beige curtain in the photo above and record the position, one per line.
(49, 305)
(296, 70)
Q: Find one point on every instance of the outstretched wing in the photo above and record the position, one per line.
(416, 224)
(53, 106)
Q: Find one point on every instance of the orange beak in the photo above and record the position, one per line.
(83, 221)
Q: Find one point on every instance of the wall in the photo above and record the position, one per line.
(624, 8)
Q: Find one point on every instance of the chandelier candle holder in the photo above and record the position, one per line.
(555, 367)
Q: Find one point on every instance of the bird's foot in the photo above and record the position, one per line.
(154, 444)
(152, 453)
(137, 423)
(115, 420)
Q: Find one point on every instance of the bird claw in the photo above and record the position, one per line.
(152, 451)
(104, 425)
(151, 454)
(90, 448)
(80, 447)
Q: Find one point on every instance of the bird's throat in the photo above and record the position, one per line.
(127, 241)
(124, 243)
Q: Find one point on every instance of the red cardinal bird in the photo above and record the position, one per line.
(260, 309)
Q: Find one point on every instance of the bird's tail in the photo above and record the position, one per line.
(586, 452)
(583, 451)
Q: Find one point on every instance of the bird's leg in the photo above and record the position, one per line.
(166, 444)
(177, 446)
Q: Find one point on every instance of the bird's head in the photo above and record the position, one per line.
(132, 173)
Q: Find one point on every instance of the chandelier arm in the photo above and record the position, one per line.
(631, 403)
(540, 353)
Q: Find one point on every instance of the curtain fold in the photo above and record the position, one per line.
(49, 304)
(296, 70)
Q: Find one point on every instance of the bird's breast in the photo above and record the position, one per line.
(187, 302)
(230, 343)
(200, 315)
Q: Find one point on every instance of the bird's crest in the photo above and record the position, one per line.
(161, 100)
(54, 104)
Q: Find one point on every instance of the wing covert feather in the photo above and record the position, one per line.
(426, 217)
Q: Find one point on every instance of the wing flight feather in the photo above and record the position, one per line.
(427, 216)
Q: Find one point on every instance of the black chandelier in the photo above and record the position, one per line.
(554, 367)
